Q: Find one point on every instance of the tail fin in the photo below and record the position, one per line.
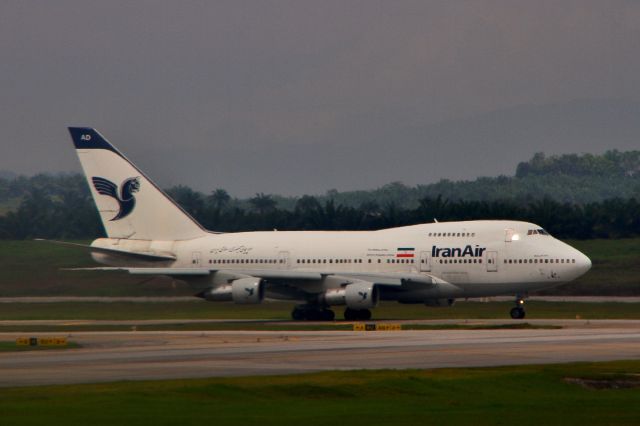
(131, 206)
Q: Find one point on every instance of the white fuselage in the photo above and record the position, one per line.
(482, 258)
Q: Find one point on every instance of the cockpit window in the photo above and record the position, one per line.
(539, 231)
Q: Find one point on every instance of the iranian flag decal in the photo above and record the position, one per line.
(406, 252)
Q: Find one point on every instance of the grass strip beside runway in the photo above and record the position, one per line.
(570, 394)
(13, 347)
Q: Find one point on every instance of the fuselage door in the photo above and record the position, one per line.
(508, 235)
(425, 261)
(195, 259)
(492, 261)
(283, 260)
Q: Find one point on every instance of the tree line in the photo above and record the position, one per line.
(612, 163)
(569, 178)
(69, 213)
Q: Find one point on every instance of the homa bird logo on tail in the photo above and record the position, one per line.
(125, 198)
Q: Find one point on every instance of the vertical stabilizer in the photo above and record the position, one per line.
(131, 206)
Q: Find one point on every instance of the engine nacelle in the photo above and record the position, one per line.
(217, 294)
(247, 290)
(243, 291)
(361, 295)
(439, 303)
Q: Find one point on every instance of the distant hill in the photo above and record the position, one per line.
(6, 174)
(568, 178)
(571, 178)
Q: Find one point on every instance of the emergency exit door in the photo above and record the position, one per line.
(492, 261)
(425, 261)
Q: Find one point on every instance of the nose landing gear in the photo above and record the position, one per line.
(518, 312)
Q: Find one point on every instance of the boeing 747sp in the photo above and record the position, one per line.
(432, 264)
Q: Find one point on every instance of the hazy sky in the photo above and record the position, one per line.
(303, 96)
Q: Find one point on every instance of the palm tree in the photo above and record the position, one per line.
(219, 199)
(263, 203)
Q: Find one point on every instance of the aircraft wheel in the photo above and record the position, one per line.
(350, 314)
(364, 315)
(328, 315)
(518, 313)
(315, 315)
(298, 314)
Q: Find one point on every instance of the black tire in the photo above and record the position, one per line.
(314, 315)
(364, 315)
(328, 315)
(298, 315)
(518, 313)
(350, 314)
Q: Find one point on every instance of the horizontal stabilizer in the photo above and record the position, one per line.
(128, 254)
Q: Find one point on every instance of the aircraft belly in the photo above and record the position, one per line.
(501, 289)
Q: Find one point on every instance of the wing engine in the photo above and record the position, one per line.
(243, 291)
(358, 295)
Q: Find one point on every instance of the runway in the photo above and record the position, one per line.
(115, 356)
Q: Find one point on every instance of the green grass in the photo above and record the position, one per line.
(12, 347)
(281, 311)
(526, 395)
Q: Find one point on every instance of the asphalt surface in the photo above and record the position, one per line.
(115, 356)
(165, 299)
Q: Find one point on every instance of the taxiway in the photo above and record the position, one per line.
(114, 356)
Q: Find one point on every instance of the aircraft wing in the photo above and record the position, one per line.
(398, 280)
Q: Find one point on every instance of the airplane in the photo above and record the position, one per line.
(431, 263)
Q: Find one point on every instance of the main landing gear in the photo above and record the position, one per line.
(518, 312)
(357, 315)
(319, 313)
(312, 313)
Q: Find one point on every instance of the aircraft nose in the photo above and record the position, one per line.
(583, 263)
